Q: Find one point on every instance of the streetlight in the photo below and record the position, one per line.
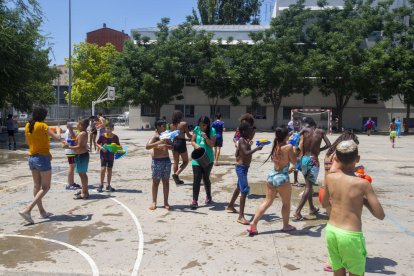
(70, 63)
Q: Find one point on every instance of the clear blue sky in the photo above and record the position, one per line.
(89, 15)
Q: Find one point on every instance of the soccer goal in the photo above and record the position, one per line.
(322, 117)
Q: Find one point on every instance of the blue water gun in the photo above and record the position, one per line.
(294, 139)
(262, 142)
(169, 135)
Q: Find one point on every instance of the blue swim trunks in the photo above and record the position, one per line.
(277, 178)
(241, 171)
(310, 168)
(82, 162)
(161, 168)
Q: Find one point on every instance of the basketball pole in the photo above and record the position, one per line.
(107, 95)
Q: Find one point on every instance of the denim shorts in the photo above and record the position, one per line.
(40, 162)
(242, 183)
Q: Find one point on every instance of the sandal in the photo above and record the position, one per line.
(314, 212)
(297, 218)
(109, 189)
(80, 197)
(290, 229)
(46, 215)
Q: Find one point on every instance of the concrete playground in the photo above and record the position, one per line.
(115, 233)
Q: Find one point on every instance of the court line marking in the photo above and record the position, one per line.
(140, 252)
(396, 223)
(92, 264)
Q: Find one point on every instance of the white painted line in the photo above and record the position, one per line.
(140, 237)
(92, 264)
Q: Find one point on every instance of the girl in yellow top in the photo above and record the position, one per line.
(37, 137)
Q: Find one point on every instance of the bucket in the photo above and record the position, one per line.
(201, 157)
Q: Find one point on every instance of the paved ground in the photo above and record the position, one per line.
(116, 234)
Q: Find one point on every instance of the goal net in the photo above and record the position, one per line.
(322, 118)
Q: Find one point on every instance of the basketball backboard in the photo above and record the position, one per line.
(111, 93)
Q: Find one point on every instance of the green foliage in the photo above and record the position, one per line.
(91, 72)
(225, 12)
(25, 77)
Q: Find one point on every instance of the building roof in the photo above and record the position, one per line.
(223, 32)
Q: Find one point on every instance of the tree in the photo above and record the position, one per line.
(151, 73)
(26, 78)
(92, 72)
(277, 59)
(225, 12)
(338, 60)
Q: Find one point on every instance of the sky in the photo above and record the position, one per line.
(89, 15)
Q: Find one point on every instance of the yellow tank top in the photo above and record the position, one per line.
(38, 140)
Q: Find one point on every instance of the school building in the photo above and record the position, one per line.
(195, 103)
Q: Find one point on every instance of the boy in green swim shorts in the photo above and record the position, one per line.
(348, 194)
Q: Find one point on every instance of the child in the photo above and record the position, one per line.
(107, 158)
(244, 158)
(161, 164)
(245, 118)
(92, 133)
(218, 125)
(70, 154)
(349, 193)
(393, 132)
(11, 125)
(82, 157)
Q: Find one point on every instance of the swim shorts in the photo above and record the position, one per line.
(241, 171)
(82, 162)
(107, 163)
(71, 159)
(179, 145)
(161, 168)
(346, 249)
(393, 133)
(310, 168)
(219, 142)
(40, 162)
(277, 178)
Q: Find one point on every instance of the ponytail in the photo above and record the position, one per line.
(39, 115)
(280, 135)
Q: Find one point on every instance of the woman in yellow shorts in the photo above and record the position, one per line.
(393, 132)
(37, 134)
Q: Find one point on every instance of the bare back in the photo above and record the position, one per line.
(312, 139)
(284, 156)
(349, 194)
(241, 157)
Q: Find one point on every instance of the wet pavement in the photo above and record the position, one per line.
(120, 236)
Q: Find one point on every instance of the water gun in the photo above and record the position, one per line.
(114, 148)
(360, 172)
(169, 135)
(294, 139)
(69, 142)
(262, 142)
(121, 153)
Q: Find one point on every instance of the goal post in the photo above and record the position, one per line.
(322, 117)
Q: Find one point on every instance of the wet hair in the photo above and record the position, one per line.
(205, 120)
(248, 118)
(9, 116)
(244, 129)
(347, 135)
(110, 125)
(160, 122)
(347, 152)
(280, 135)
(393, 120)
(84, 123)
(218, 116)
(39, 115)
(177, 117)
(309, 122)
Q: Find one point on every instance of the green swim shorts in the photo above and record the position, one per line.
(346, 249)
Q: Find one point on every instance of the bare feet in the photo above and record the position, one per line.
(231, 209)
(167, 206)
(252, 230)
(243, 221)
(153, 206)
(314, 212)
(45, 215)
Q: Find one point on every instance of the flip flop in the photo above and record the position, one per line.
(293, 228)
(252, 232)
(46, 215)
(26, 217)
(314, 212)
(243, 222)
(80, 197)
(328, 268)
(296, 218)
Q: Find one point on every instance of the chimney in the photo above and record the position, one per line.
(104, 25)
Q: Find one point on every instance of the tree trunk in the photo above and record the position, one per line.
(407, 119)
(276, 106)
(157, 112)
(340, 111)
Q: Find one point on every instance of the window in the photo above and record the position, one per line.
(224, 110)
(287, 112)
(259, 112)
(187, 110)
(191, 81)
(148, 110)
(372, 99)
